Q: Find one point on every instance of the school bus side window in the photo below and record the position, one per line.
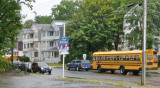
(105, 57)
(124, 58)
(121, 57)
(108, 57)
(117, 57)
(97, 57)
(127, 57)
(102, 58)
(114, 57)
(131, 57)
(135, 57)
(138, 57)
(111, 57)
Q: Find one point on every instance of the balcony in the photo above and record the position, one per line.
(49, 38)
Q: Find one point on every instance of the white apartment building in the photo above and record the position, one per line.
(127, 30)
(41, 41)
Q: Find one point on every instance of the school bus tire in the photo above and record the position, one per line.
(112, 71)
(123, 71)
(99, 69)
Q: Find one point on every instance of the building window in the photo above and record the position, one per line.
(31, 36)
(52, 54)
(51, 44)
(36, 45)
(51, 33)
(56, 54)
(24, 46)
(28, 45)
(57, 43)
(57, 33)
(31, 45)
(35, 36)
(35, 54)
(49, 54)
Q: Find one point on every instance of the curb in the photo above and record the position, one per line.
(76, 79)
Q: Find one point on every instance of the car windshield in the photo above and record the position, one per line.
(16, 61)
(86, 61)
(42, 64)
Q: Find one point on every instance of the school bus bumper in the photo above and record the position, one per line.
(153, 68)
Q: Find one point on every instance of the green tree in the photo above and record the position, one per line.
(97, 29)
(28, 24)
(135, 19)
(10, 23)
(43, 19)
(24, 59)
(66, 9)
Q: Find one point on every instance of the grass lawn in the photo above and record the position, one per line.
(59, 65)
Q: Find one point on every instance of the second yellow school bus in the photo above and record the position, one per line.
(124, 61)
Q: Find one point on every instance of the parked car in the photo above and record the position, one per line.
(79, 64)
(41, 67)
(26, 67)
(16, 64)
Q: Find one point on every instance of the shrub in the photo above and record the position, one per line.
(5, 65)
(24, 59)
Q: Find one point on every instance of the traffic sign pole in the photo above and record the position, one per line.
(144, 42)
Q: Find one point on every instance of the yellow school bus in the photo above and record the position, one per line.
(124, 61)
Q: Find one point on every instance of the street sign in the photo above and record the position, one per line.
(84, 56)
(63, 45)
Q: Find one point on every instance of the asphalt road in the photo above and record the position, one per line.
(151, 78)
(44, 81)
(48, 81)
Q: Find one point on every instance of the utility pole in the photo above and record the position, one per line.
(143, 80)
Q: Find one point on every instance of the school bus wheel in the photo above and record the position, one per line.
(99, 69)
(123, 71)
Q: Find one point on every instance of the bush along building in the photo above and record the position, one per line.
(41, 41)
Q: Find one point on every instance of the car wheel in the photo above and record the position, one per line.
(42, 72)
(49, 72)
(77, 68)
(68, 68)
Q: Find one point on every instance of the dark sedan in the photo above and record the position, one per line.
(41, 67)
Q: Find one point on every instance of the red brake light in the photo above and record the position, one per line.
(155, 61)
(81, 65)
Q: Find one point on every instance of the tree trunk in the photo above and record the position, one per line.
(116, 42)
(12, 54)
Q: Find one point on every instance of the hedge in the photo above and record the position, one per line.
(5, 65)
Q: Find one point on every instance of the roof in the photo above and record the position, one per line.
(120, 52)
(43, 26)
(27, 30)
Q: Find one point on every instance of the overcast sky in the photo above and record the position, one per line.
(41, 7)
